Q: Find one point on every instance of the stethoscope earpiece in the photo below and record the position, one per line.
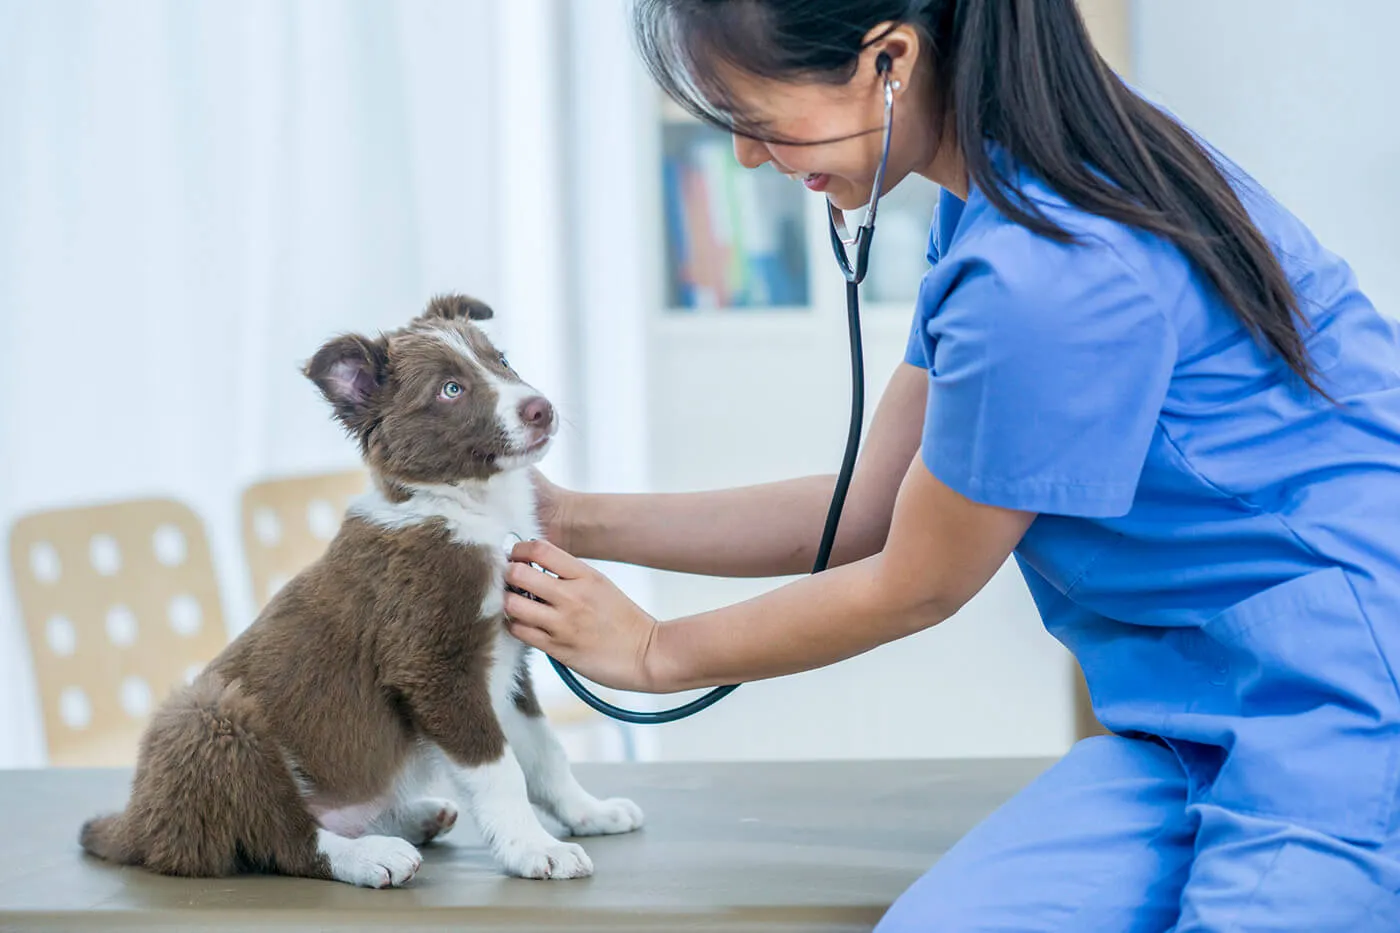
(841, 239)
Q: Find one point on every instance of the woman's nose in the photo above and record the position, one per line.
(750, 153)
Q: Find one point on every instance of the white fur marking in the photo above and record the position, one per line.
(510, 394)
(503, 679)
(298, 776)
(509, 397)
(552, 784)
(370, 861)
(479, 512)
(457, 343)
(502, 811)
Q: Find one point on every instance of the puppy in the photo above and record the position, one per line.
(302, 749)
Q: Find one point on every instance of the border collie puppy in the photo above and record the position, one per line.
(304, 747)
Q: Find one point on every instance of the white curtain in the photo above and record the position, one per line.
(195, 194)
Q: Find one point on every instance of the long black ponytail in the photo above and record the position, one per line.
(1025, 75)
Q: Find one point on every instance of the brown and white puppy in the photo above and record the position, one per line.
(303, 747)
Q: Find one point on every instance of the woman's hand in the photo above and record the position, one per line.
(583, 621)
(552, 509)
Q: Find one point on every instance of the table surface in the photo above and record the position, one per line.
(809, 846)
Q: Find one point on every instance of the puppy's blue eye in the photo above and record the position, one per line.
(504, 362)
(450, 391)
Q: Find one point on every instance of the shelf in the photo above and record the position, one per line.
(742, 324)
(774, 312)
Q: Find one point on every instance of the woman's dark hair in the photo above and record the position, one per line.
(1023, 74)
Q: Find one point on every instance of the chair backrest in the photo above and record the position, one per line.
(287, 524)
(121, 605)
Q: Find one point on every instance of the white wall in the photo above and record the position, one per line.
(1306, 97)
(734, 406)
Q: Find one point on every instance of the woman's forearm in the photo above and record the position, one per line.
(942, 549)
(809, 623)
(767, 530)
(755, 531)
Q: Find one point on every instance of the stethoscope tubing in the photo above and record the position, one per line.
(854, 272)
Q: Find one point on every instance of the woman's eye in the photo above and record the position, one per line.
(450, 390)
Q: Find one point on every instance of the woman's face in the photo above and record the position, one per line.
(852, 113)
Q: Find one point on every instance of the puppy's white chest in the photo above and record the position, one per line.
(487, 515)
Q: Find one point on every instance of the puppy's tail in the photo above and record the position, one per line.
(104, 837)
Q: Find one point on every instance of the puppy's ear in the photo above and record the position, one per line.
(457, 308)
(350, 371)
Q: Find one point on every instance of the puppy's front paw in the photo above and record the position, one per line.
(553, 861)
(604, 818)
(375, 861)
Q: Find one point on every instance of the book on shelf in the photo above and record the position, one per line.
(734, 236)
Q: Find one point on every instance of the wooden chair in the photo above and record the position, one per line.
(288, 522)
(121, 605)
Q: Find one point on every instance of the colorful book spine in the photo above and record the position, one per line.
(734, 236)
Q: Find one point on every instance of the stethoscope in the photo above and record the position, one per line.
(854, 273)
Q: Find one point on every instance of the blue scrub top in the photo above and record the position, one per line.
(1218, 547)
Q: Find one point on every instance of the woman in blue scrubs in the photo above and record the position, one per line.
(1131, 369)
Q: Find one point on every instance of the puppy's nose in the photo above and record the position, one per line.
(536, 412)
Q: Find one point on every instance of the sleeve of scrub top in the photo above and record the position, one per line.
(1048, 373)
(914, 350)
(914, 353)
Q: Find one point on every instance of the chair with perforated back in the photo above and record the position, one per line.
(121, 605)
(288, 523)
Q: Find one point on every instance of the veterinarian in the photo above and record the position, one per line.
(1131, 369)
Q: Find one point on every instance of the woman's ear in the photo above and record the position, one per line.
(896, 44)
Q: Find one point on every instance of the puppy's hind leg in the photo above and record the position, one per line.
(418, 821)
(413, 815)
(214, 796)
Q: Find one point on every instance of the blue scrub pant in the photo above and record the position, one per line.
(1106, 840)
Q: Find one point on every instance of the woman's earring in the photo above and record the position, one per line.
(896, 84)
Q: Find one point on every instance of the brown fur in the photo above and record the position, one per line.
(372, 651)
(404, 436)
